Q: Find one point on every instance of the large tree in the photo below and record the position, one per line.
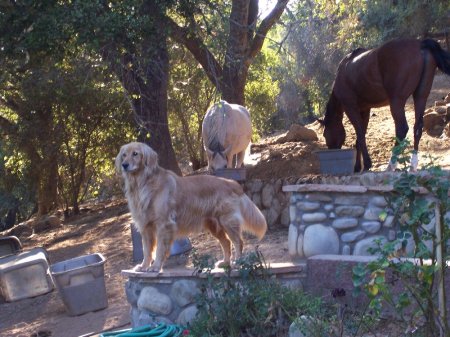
(131, 37)
(244, 40)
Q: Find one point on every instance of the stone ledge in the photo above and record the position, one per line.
(324, 188)
(274, 269)
(345, 188)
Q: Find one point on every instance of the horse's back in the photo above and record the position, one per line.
(376, 76)
(228, 124)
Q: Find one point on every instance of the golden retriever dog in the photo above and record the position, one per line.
(165, 206)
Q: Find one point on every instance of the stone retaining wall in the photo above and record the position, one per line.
(270, 197)
(170, 296)
(341, 215)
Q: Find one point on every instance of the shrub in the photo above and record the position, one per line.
(253, 304)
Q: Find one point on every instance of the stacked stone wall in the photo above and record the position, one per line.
(341, 215)
(274, 202)
(170, 297)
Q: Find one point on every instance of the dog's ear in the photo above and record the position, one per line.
(118, 161)
(150, 157)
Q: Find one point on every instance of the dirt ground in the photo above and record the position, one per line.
(105, 228)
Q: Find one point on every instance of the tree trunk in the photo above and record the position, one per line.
(234, 79)
(47, 185)
(147, 89)
(245, 41)
(151, 110)
(43, 154)
(235, 70)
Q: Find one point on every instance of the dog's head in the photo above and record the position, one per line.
(135, 157)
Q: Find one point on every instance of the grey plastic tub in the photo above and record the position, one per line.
(25, 275)
(238, 174)
(179, 246)
(9, 245)
(81, 283)
(337, 162)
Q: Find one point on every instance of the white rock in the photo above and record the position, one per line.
(362, 246)
(267, 195)
(152, 300)
(319, 239)
(345, 223)
(292, 240)
(349, 211)
(371, 226)
(300, 246)
(389, 221)
(187, 315)
(372, 213)
(378, 201)
(314, 217)
(353, 236)
(308, 205)
(184, 292)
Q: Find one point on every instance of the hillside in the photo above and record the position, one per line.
(105, 228)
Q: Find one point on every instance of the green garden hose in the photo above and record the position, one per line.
(161, 330)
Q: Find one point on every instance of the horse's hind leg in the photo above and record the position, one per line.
(401, 124)
(365, 114)
(420, 96)
(419, 108)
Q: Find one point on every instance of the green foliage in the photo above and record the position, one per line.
(92, 106)
(406, 18)
(312, 54)
(67, 118)
(253, 304)
(191, 94)
(262, 90)
(16, 198)
(420, 271)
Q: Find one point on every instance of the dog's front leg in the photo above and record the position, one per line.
(165, 236)
(148, 244)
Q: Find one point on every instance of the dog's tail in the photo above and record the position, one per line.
(254, 221)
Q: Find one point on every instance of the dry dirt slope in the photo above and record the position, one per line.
(105, 228)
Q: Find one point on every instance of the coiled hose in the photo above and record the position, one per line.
(161, 330)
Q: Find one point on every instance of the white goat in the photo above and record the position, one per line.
(226, 132)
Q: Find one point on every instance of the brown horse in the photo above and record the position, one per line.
(386, 75)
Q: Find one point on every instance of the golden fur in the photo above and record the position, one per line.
(165, 206)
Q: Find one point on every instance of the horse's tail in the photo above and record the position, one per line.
(254, 221)
(441, 56)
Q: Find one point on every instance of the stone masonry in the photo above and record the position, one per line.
(170, 296)
(342, 219)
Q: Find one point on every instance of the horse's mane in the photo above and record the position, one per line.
(333, 103)
(356, 52)
(215, 127)
(329, 109)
